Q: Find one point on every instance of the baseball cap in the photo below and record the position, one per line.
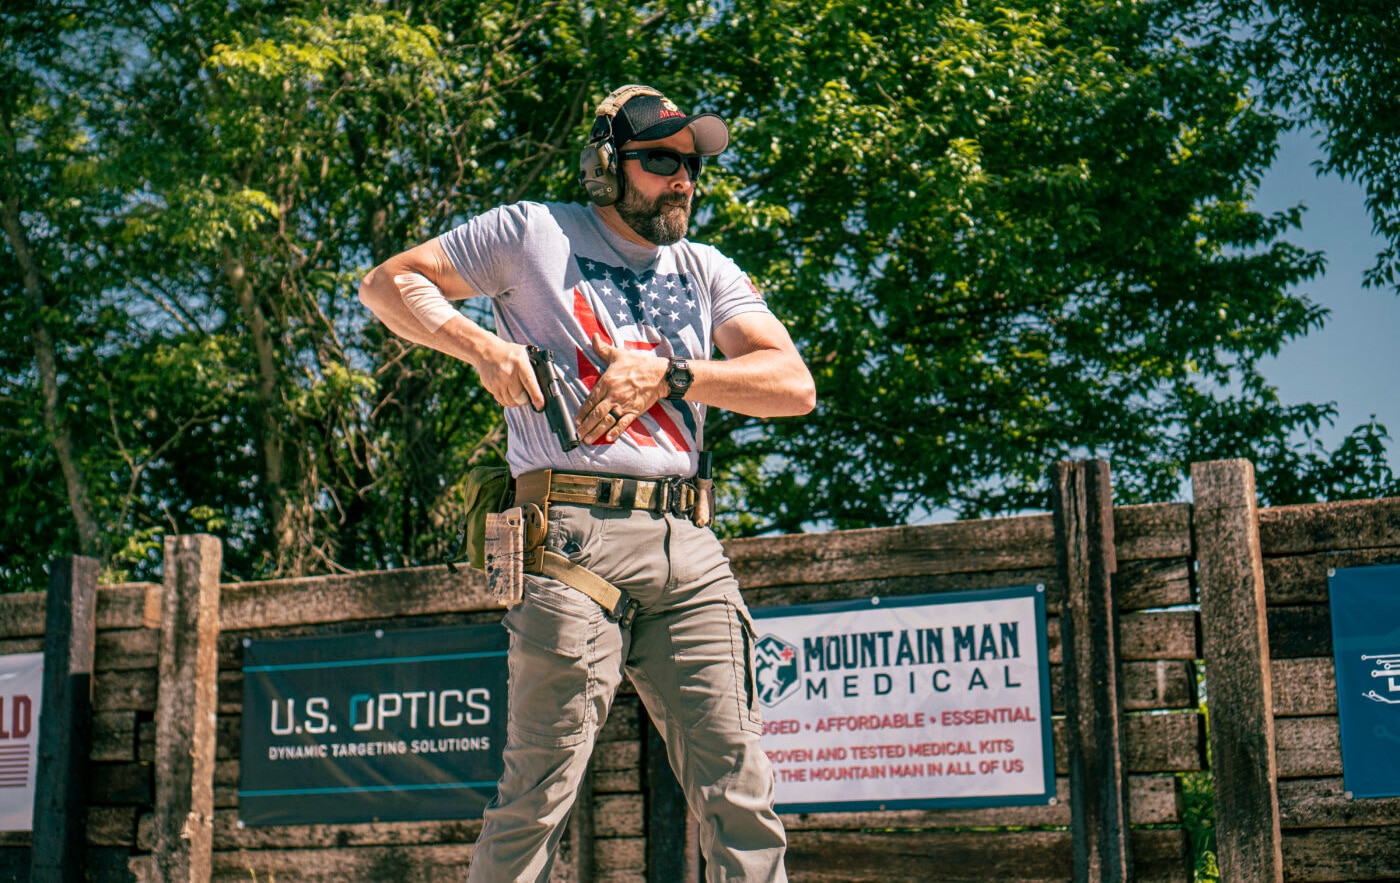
(651, 117)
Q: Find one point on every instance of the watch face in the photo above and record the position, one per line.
(678, 378)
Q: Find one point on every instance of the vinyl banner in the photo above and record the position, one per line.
(21, 695)
(387, 726)
(911, 702)
(1366, 651)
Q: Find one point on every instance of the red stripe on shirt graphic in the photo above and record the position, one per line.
(589, 372)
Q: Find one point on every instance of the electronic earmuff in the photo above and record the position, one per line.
(597, 162)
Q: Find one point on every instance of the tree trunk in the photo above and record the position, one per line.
(280, 512)
(46, 360)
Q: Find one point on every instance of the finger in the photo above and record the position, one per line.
(522, 397)
(603, 348)
(620, 427)
(603, 419)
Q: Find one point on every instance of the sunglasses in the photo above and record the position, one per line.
(663, 162)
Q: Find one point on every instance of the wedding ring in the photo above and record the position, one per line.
(617, 418)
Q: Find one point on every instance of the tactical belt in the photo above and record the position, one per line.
(674, 495)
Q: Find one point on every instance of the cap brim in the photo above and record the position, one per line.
(711, 133)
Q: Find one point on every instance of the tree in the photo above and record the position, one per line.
(1002, 235)
(1335, 64)
(1007, 236)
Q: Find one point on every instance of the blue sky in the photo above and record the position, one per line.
(1354, 360)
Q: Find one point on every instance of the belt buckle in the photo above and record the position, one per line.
(625, 611)
(672, 497)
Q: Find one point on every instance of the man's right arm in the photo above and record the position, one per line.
(410, 294)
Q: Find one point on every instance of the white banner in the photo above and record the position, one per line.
(893, 703)
(21, 695)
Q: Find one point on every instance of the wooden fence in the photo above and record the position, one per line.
(145, 682)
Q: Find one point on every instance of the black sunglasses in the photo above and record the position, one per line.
(660, 161)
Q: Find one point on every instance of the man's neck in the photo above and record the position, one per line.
(613, 221)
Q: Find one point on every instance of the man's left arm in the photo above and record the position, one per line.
(762, 375)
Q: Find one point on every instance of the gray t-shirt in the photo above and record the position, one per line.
(556, 275)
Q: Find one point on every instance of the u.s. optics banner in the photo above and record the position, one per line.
(21, 694)
(1365, 605)
(387, 726)
(911, 702)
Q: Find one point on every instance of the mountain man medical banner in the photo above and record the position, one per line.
(908, 702)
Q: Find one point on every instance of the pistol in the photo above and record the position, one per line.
(547, 376)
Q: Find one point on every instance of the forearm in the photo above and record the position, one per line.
(762, 383)
(504, 368)
(456, 335)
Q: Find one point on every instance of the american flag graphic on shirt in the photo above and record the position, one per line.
(651, 312)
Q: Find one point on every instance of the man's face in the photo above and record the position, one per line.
(657, 206)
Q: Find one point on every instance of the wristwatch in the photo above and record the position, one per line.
(678, 378)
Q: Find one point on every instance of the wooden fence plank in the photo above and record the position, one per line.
(1304, 686)
(895, 586)
(1015, 543)
(1302, 579)
(123, 606)
(1308, 746)
(370, 864)
(1147, 686)
(1159, 856)
(1152, 743)
(1153, 531)
(125, 690)
(65, 722)
(1322, 803)
(127, 649)
(621, 860)
(1236, 652)
(1153, 583)
(1301, 631)
(1082, 503)
(1330, 527)
(413, 591)
(186, 709)
(1152, 800)
(1332, 855)
(113, 736)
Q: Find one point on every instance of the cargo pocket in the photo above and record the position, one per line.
(743, 638)
(551, 684)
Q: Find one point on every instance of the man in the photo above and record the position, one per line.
(630, 309)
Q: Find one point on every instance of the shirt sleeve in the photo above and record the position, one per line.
(733, 293)
(485, 248)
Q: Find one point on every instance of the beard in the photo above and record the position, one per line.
(660, 221)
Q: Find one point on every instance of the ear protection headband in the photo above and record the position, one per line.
(597, 162)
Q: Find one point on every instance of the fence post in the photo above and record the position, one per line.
(1235, 645)
(59, 844)
(1082, 504)
(186, 708)
(673, 845)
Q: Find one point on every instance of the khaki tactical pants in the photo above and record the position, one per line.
(688, 654)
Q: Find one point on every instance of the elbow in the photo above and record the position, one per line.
(368, 295)
(805, 398)
(802, 394)
(378, 297)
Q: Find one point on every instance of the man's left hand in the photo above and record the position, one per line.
(630, 385)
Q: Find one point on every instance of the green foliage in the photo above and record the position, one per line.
(1002, 235)
(1335, 65)
(1198, 817)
